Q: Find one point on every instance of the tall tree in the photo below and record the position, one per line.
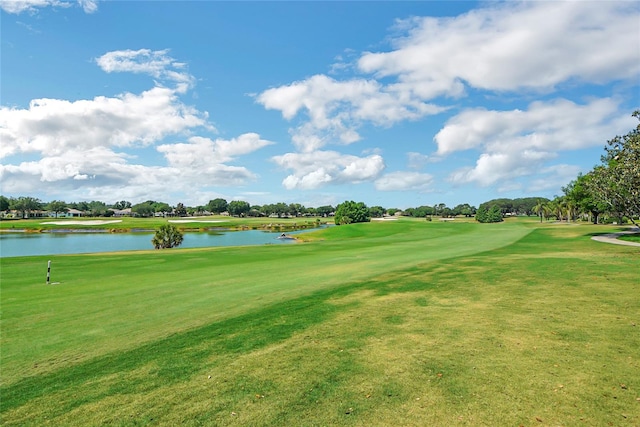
(350, 212)
(464, 209)
(493, 214)
(4, 204)
(97, 208)
(57, 206)
(556, 208)
(282, 209)
(579, 193)
(296, 209)
(324, 210)
(217, 206)
(541, 209)
(81, 206)
(144, 209)
(238, 208)
(376, 211)
(161, 207)
(570, 209)
(123, 204)
(25, 205)
(617, 181)
(481, 214)
(181, 210)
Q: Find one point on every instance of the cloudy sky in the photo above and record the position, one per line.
(397, 104)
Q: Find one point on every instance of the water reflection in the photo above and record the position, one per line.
(29, 244)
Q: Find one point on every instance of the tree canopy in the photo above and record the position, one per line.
(143, 209)
(217, 206)
(25, 205)
(350, 212)
(579, 193)
(57, 206)
(123, 204)
(616, 182)
(4, 203)
(238, 208)
(493, 214)
(520, 206)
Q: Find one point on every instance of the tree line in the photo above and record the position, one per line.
(239, 208)
(610, 190)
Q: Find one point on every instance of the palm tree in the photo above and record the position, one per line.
(167, 236)
(558, 208)
(540, 209)
(570, 209)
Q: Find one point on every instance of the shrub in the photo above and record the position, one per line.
(493, 214)
(167, 236)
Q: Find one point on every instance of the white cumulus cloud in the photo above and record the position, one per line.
(417, 160)
(315, 169)
(512, 46)
(32, 6)
(336, 109)
(156, 63)
(54, 126)
(555, 125)
(89, 6)
(491, 168)
(405, 181)
(521, 142)
(205, 154)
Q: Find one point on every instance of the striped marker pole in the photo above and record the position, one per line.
(48, 272)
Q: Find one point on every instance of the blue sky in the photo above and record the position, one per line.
(398, 104)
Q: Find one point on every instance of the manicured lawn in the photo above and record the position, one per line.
(400, 323)
(631, 237)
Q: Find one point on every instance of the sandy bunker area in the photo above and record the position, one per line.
(92, 222)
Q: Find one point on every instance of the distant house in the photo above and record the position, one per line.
(73, 213)
(70, 213)
(122, 212)
(29, 214)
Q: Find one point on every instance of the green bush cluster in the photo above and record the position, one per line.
(351, 212)
(493, 214)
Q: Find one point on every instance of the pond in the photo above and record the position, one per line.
(57, 243)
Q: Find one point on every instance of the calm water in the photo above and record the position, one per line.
(28, 244)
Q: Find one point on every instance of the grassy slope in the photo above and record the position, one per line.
(112, 301)
(406, 323)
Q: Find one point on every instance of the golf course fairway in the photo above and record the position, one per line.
(404, 322)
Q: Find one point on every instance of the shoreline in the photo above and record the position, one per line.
(102, 229)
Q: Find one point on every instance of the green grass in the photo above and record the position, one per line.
(631, 237)
(404, 323)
